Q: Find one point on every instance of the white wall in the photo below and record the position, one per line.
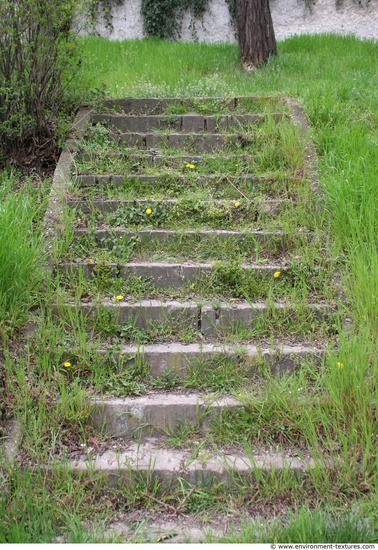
(289, 17)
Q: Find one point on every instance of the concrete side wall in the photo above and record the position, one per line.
(290, 17)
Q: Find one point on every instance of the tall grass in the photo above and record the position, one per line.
(20, 253)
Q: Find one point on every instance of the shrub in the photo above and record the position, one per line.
(37, 61)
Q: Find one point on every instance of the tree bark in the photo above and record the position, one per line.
(255, 31)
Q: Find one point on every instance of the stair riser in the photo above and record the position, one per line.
(275, 241)
(163, 276)
(204, 469)
(147, 106)
(247, 211)
(207, 320)
(185, 123)
(135, 420)
(195, 143)
(174, 360)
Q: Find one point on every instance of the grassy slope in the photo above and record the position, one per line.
(336, 81)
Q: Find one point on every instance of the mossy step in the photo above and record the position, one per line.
(157, 414)
(172, 359)
(119, 180)
(163, 274)
(197, 466)
(207, 319)
(240, 208)
(183, 123)
(140, 160)
(214, 105)
(274, 241)
(194, 142)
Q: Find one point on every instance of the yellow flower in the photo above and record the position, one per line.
(119, 297)
(237, 203)
(340, 365)
(190, 166)
(67, 364)
(148, 211)
(277, 274)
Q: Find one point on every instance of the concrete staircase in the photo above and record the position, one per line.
(167, 189)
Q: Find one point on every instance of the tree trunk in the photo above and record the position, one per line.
(255, 31)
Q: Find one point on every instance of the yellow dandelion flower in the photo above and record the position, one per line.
(67, 364)
(340, 365)
(190, 166)
(148, 211)
(237, 204)
(277, 274)
(119, 297)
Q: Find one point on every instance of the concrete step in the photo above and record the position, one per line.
(243, 182)
(238, 209)
(175, 359)
(275, 241)
(157, 414)
(198, 466)
(184, 123)
(197, 143)
(209, 320)
(162, 275)
(138, 161)
(144, 106)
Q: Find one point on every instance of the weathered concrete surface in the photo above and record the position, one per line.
(182, 123)
(175, 358)
(247, 210)
(158, 106)
(157, 414)
(208, 320)
(227, 316)
(162, 275)
(152, 459)
(143, 314)
(277, 241)
(118, 180)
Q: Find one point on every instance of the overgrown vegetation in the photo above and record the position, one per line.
(47, 390)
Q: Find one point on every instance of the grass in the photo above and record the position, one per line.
(20, 248)
(335, 80)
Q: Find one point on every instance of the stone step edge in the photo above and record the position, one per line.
(207, 319)
(157, 156)
(163, 275)
(167, 233)
(157, 414)
(188, 123)
(112, 204)
(195, 467)
(117, 179)
(150, 104)
(175, 358)
(198, 142)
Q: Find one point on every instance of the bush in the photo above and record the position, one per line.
(37, 61)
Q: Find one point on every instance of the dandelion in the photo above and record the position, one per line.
(190, 166)
(67, 364)
(237, 204)
(340, 365)
(119, 297)
(277, 274)
(148, 211)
